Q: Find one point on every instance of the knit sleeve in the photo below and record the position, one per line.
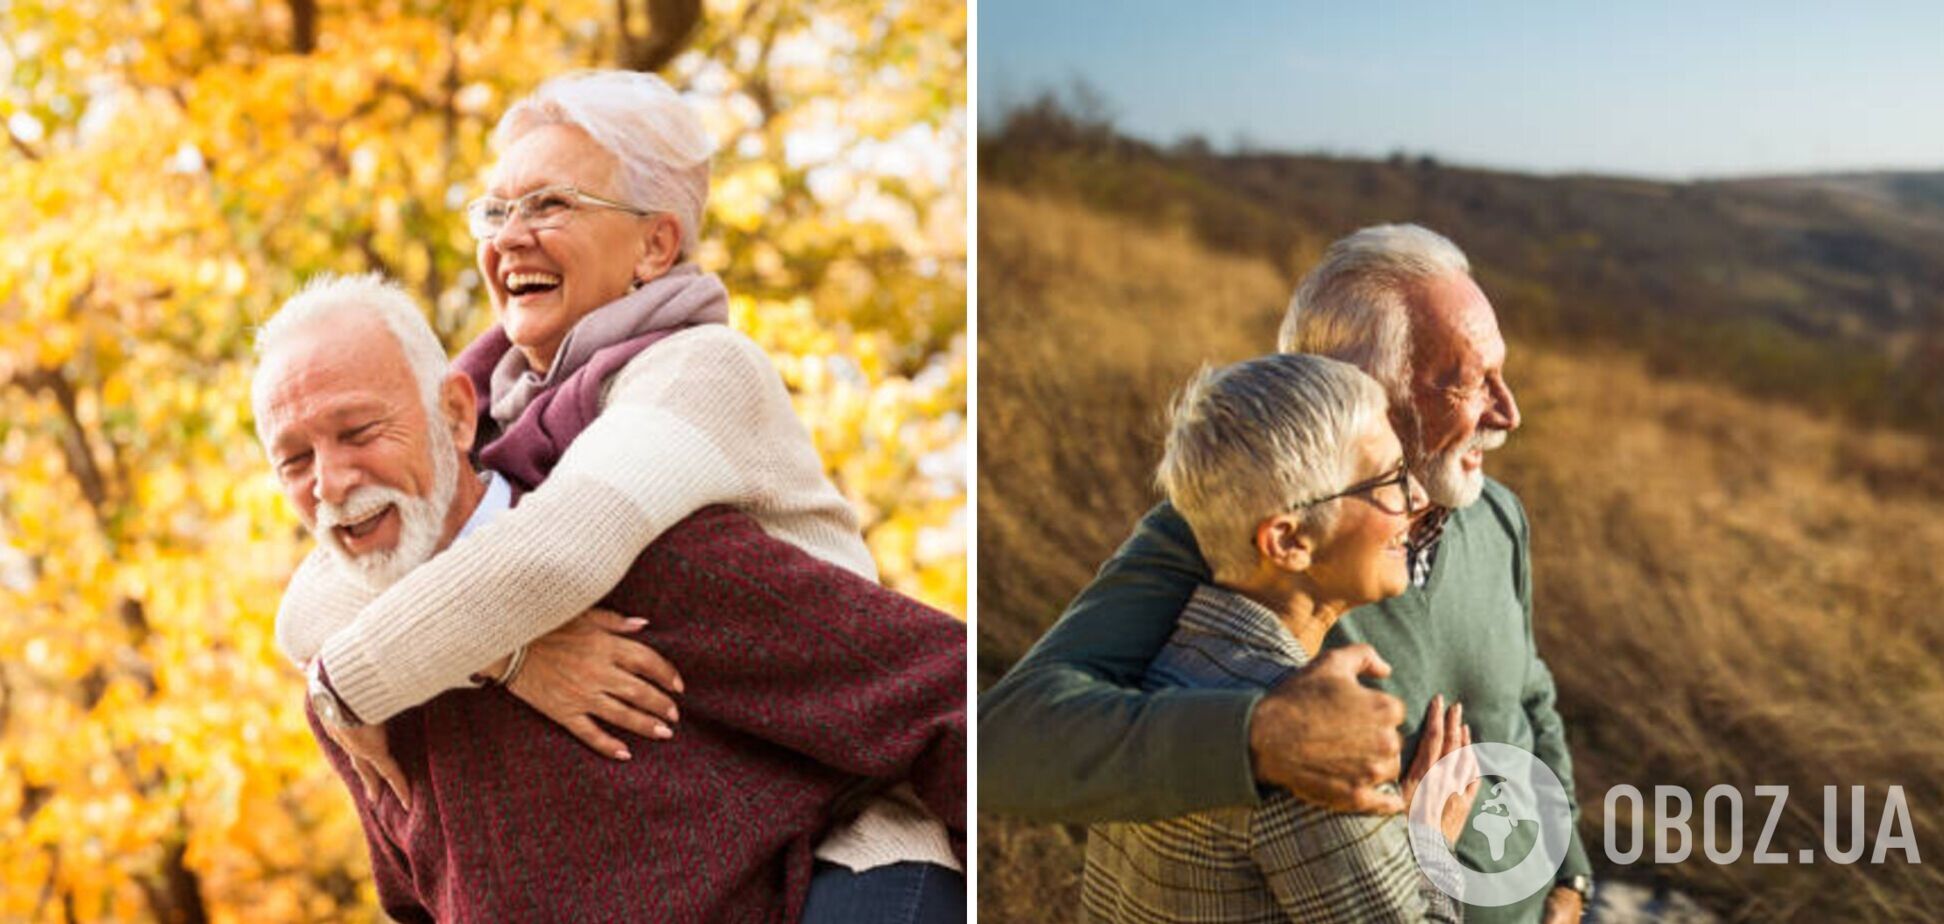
(701, 418)
(320, 599)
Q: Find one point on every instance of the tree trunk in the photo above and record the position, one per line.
(177, 898)
(671, 23)
(303, 26)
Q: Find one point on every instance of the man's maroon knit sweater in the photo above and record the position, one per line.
(806, 685)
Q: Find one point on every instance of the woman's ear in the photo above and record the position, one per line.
(661, 247)
(1284, 542)
(460, 403)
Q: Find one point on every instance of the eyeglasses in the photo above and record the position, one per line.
(1390, 492)
(539, 210)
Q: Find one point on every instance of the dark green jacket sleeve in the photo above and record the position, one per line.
(1540, 699)
(1068, 736)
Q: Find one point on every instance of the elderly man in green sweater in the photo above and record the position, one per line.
(1068, 736)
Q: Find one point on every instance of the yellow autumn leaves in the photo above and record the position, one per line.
(173, 170)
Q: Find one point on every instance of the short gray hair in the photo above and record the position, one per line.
(1352, 305)
(332, 297)
(1249, 441)
(658, 139)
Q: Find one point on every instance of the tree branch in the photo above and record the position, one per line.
(74, 442)
(53, 876)
(434, 282)
(758, 81)
(671, 23)
(19, 144)
(368, 247)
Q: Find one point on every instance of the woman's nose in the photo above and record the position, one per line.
(513, 234)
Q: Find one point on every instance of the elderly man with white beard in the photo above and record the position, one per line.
(493, 812)
(1068, 734)
(382, 520)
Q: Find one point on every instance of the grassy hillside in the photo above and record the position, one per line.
(1825, 291)
(1878, 198)
(1731, 589)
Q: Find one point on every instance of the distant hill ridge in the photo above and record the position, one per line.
(1827, 291)
(1917, 195)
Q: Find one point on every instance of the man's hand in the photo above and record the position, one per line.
(1454, 787)
(1328, 739)
(371, 757)
(589, 669)
(1564, 906)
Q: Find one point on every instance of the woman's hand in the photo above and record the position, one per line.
(371, 758)
(590, 669)
(1448, 801)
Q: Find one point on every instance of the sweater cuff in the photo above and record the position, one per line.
(359, 684)
(1576, 863)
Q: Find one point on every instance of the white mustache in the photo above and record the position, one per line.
(360, 504)
(1486, 440)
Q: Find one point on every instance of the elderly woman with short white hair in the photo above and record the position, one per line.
(1288, 472)
(586, 237)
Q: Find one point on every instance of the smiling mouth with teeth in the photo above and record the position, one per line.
(364, 527)
(530, 283)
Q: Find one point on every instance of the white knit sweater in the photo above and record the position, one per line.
(699, 418)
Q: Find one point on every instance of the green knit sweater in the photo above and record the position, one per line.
(1067, 736)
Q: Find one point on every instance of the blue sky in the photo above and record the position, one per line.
(1637, 87)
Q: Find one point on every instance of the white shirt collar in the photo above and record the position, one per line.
(497, 500)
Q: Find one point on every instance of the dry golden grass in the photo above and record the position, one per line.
(1729, 591)
(1085, 323)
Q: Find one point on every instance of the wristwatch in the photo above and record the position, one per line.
(1583, 884)
(324, 701)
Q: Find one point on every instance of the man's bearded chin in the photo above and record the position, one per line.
(421, 521)
(1446, 482)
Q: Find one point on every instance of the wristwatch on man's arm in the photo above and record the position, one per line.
(324, 700)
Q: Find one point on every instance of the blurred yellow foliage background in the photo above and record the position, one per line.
(173, 170)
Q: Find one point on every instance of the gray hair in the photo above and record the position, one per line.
(658, 139)
(333, 297)
(1249, 441)
(1352, 305)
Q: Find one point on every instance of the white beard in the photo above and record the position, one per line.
(421, 521)
(1446, 482)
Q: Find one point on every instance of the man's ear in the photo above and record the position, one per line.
(661, 246)
(460, 404)
(1283, 541)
